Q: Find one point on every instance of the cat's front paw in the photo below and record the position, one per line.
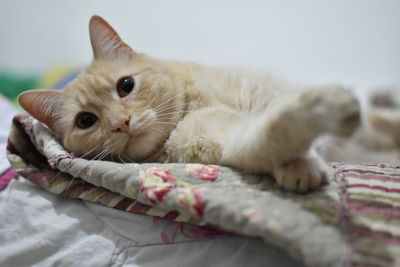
(335, 107)
(302, 174)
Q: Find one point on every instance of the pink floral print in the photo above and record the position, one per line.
(203, 172)
(155, 183)
(191, 200)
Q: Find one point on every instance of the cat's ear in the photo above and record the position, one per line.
(106, 43)
(42, 104)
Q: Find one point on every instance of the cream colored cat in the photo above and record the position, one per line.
(134, 106)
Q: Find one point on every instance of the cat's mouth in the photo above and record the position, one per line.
(136, 134)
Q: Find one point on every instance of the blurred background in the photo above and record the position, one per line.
(353, 42)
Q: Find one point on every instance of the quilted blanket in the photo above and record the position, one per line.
(353, 220)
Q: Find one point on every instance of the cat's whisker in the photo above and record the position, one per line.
(120, 159)
(68, 165)
(157, 129)
(127, 158)
(100, 156)
(164, 122)
(162, 108)
(107, 152)
(158, 106)
(176, 112)
(87, 153)
(74, 177)
(165, 102)
(120, 156)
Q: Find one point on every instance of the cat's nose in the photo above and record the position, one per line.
(122, 125)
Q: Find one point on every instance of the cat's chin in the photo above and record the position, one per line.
(139, 146)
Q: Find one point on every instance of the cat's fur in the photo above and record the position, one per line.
(186, 112)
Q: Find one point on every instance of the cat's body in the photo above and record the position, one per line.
(148, 110)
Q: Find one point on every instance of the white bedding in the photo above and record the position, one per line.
(41, 229)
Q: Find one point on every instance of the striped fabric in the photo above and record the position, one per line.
(370, 214)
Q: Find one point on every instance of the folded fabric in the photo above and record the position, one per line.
(329, 227)
(8, 111)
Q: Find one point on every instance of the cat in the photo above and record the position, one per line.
(129, 105)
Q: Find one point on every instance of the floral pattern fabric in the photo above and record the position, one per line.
(155, 183)
(197, 194)
(308, 227)
(203, 172)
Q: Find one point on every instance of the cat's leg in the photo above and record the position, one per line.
(201, 135)
(279, 139)
(303, 173)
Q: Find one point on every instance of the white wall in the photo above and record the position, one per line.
(352, 41)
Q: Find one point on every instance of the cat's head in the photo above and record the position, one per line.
(124, 102)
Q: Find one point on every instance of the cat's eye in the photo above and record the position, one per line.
(125, 85)
(85, 120)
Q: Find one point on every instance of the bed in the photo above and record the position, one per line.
(59, 210)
